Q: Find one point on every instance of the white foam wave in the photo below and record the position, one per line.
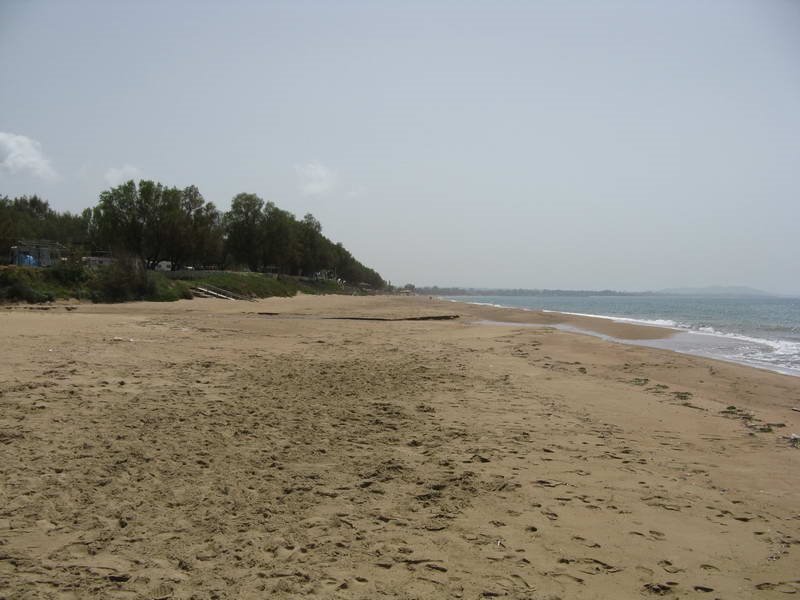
(651, 322)
(773, 354)
(778, 346)
(486, 304)
(781, 347)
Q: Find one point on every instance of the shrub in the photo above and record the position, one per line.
(69, 273)
(20, 285)
(127, 280)
(162, 289)
(122, 281)
(22, 292)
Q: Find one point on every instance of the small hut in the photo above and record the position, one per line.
(37, 253)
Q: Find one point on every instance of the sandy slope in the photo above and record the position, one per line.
(203, 450)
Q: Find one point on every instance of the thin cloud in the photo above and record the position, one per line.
(21, 154)
(117, 175)
(315, 179)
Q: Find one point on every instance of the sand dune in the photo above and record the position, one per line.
(212, 449)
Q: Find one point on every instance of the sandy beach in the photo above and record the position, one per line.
(353, 447)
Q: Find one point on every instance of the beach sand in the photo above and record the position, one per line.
(213, 449)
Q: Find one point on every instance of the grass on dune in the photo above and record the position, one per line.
(127, 281)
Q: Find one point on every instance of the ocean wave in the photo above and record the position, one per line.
(650, 322)
(774, 354)
(490, 304)
(778, 346)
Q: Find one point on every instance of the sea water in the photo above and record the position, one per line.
(757, 331)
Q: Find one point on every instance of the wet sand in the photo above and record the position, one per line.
(213, 449)
(597, 325)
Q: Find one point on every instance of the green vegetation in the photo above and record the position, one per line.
(30, 217)
(29, 285)
(257, 285)
(146, 223)
(251, 285)
(127, 281)
(114, 284)
(155, 223)
(263, 237)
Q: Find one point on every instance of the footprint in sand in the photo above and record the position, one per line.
(669, 567)
(655, 536)
(583, 541)
(785, 587)
(565, 576)
(658, 589)
(590, 566)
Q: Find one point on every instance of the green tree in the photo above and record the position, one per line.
(118, 221)
(244, 227)
(154, 223)
(282, 243)
(205, 232)
(30, 217)
(151, 222)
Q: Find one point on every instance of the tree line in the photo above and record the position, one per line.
(154, 223)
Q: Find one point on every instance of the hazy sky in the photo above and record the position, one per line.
(632, 145)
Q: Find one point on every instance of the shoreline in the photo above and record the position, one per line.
(663, 336)
(352, 447)
(592, 324)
